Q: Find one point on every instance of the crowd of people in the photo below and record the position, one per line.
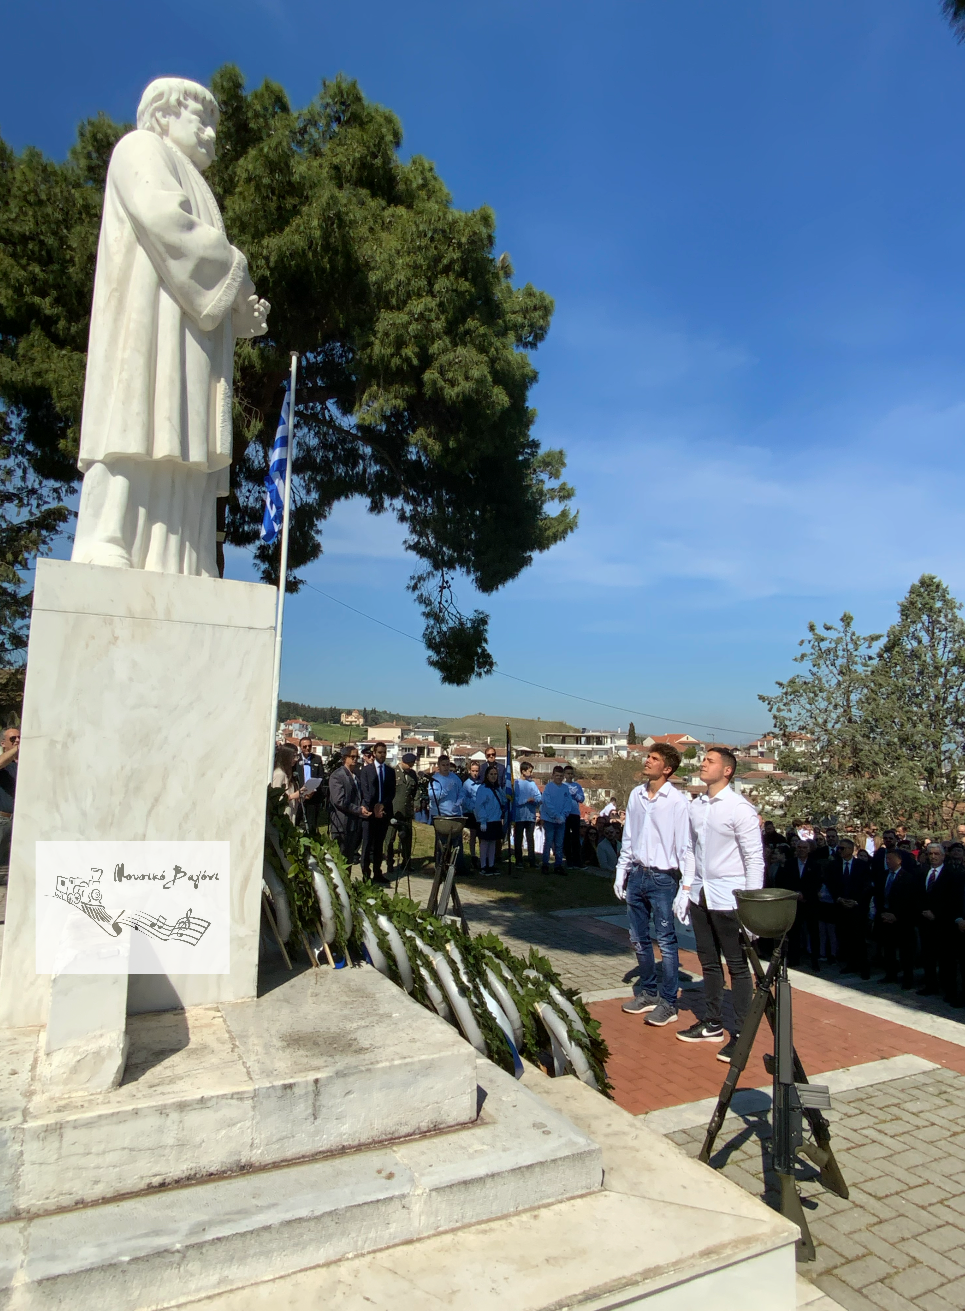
(372, 806)
(896, 904)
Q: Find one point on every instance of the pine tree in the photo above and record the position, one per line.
(631, 735)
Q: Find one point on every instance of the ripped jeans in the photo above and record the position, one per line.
(650, 895)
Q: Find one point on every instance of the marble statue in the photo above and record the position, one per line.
(171, 294)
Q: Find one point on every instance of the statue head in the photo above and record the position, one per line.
(184, 112)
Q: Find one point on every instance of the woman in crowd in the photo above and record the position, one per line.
(469, 790)
(282, 777)
(488, 810)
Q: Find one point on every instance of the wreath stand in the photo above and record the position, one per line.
(769, 913)
(444, 891)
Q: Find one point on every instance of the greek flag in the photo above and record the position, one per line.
(275, 478)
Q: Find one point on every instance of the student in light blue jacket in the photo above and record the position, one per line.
(469, 790)
(555, 805)
(489, 815)
(528, 797)
(572, 846)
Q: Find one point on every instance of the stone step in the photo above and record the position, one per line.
(664, 1234)
(331, 1061)
(174, 1244)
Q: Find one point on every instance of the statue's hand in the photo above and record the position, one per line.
(256, 312)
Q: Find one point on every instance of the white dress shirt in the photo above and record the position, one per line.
(656, 834)
(728, 855)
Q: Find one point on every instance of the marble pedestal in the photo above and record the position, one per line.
(332, 1143)
(147, 716)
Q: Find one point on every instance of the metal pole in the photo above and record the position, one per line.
(283, 565)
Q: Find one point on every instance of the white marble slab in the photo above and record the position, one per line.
(147, 715)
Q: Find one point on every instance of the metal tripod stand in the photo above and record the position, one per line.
(793, 1097)
(444, 891)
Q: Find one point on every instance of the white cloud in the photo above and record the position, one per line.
(868, 511)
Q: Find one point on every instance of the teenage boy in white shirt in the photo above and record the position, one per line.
(728, 857)
(657, 853)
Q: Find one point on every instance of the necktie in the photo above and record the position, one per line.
(932, 876)
(380, 782)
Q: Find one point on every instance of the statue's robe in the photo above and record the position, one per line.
(155, 444)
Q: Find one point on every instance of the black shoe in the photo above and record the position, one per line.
(561, 872)
(726, 1052)
(866, 975)
(701, 1032)
(544, 869)
(382, 882)
(925, 992)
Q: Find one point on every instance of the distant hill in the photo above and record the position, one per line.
(526, 732)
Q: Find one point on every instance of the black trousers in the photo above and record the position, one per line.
(851, 925)
(952, 963)
(930, 936)
(527, 827)
(348, 843)
(572, 844)
(373, 840)
(400, 835)
(717, 934)
(897, 943)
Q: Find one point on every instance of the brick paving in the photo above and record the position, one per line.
(650, 1069)
(898, 1242)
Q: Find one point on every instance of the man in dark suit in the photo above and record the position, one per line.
(899, 896)
(949, 908)
(345, 805)
(941, 897)
(377, 782)
(852, 902)
(819, 887)
(308, 765)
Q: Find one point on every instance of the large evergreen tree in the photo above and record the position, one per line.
(818, 713)
(414, 342)
(876, 728)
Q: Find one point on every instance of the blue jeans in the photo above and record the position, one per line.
(553, 838)
(650, 894)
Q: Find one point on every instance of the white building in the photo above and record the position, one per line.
(587, 747)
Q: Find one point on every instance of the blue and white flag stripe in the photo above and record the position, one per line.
(275, 478)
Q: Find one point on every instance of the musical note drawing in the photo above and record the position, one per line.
(85, 895)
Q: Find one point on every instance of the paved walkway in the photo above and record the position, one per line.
(898, 1242)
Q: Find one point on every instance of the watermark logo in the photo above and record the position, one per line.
(133, 907)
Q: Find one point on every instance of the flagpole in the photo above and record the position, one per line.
(283, 565)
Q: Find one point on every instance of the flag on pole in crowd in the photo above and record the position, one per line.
(508, 782)
(276, 476)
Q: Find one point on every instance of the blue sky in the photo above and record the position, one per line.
(751, 219)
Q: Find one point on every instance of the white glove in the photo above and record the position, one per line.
(681, 905)
(620, 885)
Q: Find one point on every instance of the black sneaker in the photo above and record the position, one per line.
(726, 1052)
(647, 1001)
(701, 1032)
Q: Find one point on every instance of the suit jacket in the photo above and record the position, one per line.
(819, 872)
(855, 884)
(946, 895)
(344, 801)
(369, 783)
(905, 898)
(315, 769)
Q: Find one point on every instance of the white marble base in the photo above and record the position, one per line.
(665, 1233)
(331, 1061)
(147, 715)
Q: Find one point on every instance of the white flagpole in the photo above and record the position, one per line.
(283, 566)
